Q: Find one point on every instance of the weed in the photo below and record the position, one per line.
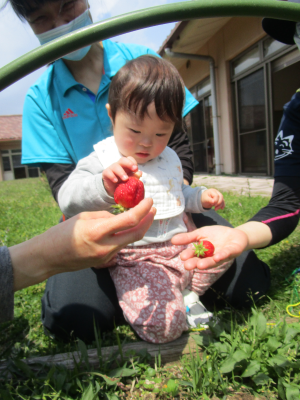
(258, 357)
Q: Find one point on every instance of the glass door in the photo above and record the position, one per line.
(251, 124)
(201, 131)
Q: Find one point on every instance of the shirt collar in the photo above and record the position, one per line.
(113, 60)
(64, 77)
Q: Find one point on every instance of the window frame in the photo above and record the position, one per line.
(9, 153)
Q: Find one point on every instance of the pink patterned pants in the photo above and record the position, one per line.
(149, 281)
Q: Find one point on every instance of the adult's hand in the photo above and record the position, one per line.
(89, 239)
(228, 242)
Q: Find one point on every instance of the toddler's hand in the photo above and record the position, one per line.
(118, 172)
(212, 198)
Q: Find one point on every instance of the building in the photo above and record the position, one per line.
(10, 150)
(255, 76)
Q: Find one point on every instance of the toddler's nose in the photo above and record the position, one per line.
(146, 143)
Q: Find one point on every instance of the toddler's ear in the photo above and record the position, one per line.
(107, 106)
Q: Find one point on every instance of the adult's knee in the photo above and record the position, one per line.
(244, 283)
(74, 302)
(76, 321)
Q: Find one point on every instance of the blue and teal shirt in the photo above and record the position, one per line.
(62, 119)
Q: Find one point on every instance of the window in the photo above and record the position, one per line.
(252, 123)
(6, 164)
(201, 129)
(14, 169)
(253, 91)
(270, 46)
(246, 61)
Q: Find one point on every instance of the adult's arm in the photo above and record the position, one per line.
(6, 286)
(86, 240)
(179, 142)
(56, 175)
(281, 215)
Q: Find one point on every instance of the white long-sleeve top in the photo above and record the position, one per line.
(84, 191)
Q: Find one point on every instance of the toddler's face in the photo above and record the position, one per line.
(142, 139)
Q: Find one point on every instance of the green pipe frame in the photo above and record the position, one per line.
(188, 10)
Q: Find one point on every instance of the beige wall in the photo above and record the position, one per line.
(8, 145)
(235, 37)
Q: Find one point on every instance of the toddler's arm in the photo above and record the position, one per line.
(90, 188)
(201, 199)
(84, 190)
(192, 197)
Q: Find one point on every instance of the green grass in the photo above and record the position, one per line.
(28, 209)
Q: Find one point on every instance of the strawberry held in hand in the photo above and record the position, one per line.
(128, 194)
(204, 249)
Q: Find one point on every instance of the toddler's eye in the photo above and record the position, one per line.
(134, 131)
(160, 134)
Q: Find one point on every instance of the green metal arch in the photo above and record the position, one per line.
(189, 10)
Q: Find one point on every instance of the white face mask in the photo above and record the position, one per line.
(297, 35)
(80, 22)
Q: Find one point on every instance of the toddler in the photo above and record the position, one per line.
(158, 296)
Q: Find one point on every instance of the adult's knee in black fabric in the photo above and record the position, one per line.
(252, 283)
(245, 282)
(73, 301)
(209, 218)
(218, 296)
(79, 321)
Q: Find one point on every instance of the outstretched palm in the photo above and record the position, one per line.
(229, 243)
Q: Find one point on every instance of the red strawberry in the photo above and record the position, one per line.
(128, 194)
(204, 249)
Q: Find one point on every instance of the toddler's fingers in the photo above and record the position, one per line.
(134, 163)
(128, 163)
(220, 204)
(119, 171)
(108, 175)
(213, 201)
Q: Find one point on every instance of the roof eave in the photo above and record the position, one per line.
(174, 35)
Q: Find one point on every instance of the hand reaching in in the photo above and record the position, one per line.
(90, 239)
(228, 242)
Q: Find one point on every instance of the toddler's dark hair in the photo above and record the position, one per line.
(145, 80)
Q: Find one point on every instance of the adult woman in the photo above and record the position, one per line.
(281, 216)
(87, 240)
(66, 101)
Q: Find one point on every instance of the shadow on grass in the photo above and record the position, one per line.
(282, 266)
(12, 332)
(274, 302)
